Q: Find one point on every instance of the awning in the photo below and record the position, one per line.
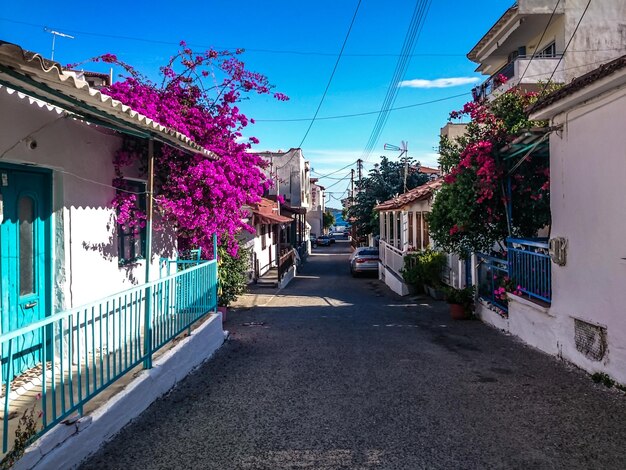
(45, 80)
(533, 141)
(269, 219)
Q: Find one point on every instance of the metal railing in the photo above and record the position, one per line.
(530, 267)
(82, 351)
(285, 262)
(492, 272)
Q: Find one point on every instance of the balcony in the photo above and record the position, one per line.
(528, 72)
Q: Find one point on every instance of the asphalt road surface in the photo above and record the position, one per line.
(339, 373)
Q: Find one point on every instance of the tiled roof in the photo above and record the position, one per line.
(579, 83)
(420, 193)
(266, 212)
(429, 171)
(46, 80)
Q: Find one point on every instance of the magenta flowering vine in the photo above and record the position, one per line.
(485, 197)
(197, 96)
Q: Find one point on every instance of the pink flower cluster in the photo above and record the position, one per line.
(201, 195)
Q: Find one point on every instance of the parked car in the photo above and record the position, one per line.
(323, 240)
(363, 260)
(332, 238)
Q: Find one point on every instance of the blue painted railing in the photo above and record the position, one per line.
(491, 274)
(86, 349)
(530, 267)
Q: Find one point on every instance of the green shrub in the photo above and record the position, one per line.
(231, 275)
(424, 267)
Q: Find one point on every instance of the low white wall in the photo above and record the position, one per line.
(533, 324)
(530, 322)
(394, 283)
(66, 446)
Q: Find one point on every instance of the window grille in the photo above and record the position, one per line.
(590, 339)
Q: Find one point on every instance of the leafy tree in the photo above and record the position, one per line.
(329, 219)
(470, 210)
(383, 182)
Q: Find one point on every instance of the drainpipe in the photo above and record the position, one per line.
(147, 333)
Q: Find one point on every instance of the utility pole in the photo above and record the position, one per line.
(351, 186)
(406, 163)
(359, 166)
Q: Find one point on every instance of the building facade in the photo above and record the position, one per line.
(539, 40)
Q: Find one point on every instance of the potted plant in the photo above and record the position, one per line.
(461, 302)
(433, 263)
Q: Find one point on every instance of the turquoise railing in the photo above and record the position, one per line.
(492, 272)
(530, 267)
(86, 349)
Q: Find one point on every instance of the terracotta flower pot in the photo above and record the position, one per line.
(457, 312)
(223, 311)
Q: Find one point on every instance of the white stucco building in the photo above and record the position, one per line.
(403, 229)
(269, 240)
(291, 174)
(57, 174)
(315, 214)
(586, 323)
(527, 45)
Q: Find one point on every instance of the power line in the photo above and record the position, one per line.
(356, 10)
(342, 116)
(566, 47)
(540, 39)
(342, 179)
(415, 26)
(265, 51)
(334, 172)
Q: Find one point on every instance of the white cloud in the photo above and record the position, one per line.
(438, 82)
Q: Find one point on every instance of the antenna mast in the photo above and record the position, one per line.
(54, 36)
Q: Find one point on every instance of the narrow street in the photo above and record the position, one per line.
(336, 372)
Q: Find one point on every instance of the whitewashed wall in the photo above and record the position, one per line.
(588, 173)
(84, 233)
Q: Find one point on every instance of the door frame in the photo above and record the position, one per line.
(48, 230)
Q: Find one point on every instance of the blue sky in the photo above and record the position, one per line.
(294, 43)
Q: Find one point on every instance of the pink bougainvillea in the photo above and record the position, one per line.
(200, 194)
(485, 196)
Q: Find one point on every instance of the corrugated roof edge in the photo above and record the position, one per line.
(416, 194)
(32, 65)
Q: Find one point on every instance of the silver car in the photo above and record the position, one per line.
(364, 260)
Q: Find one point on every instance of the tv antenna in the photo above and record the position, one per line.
(403, 149)
(54, 36)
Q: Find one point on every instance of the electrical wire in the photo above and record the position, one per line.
(343, 46)
(539, 42)
(415, 27)
(342, 116)
(334, 172)
(265, 51)
(343, 179)
(565, 50)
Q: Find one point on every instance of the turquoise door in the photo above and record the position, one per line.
(24, 259)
